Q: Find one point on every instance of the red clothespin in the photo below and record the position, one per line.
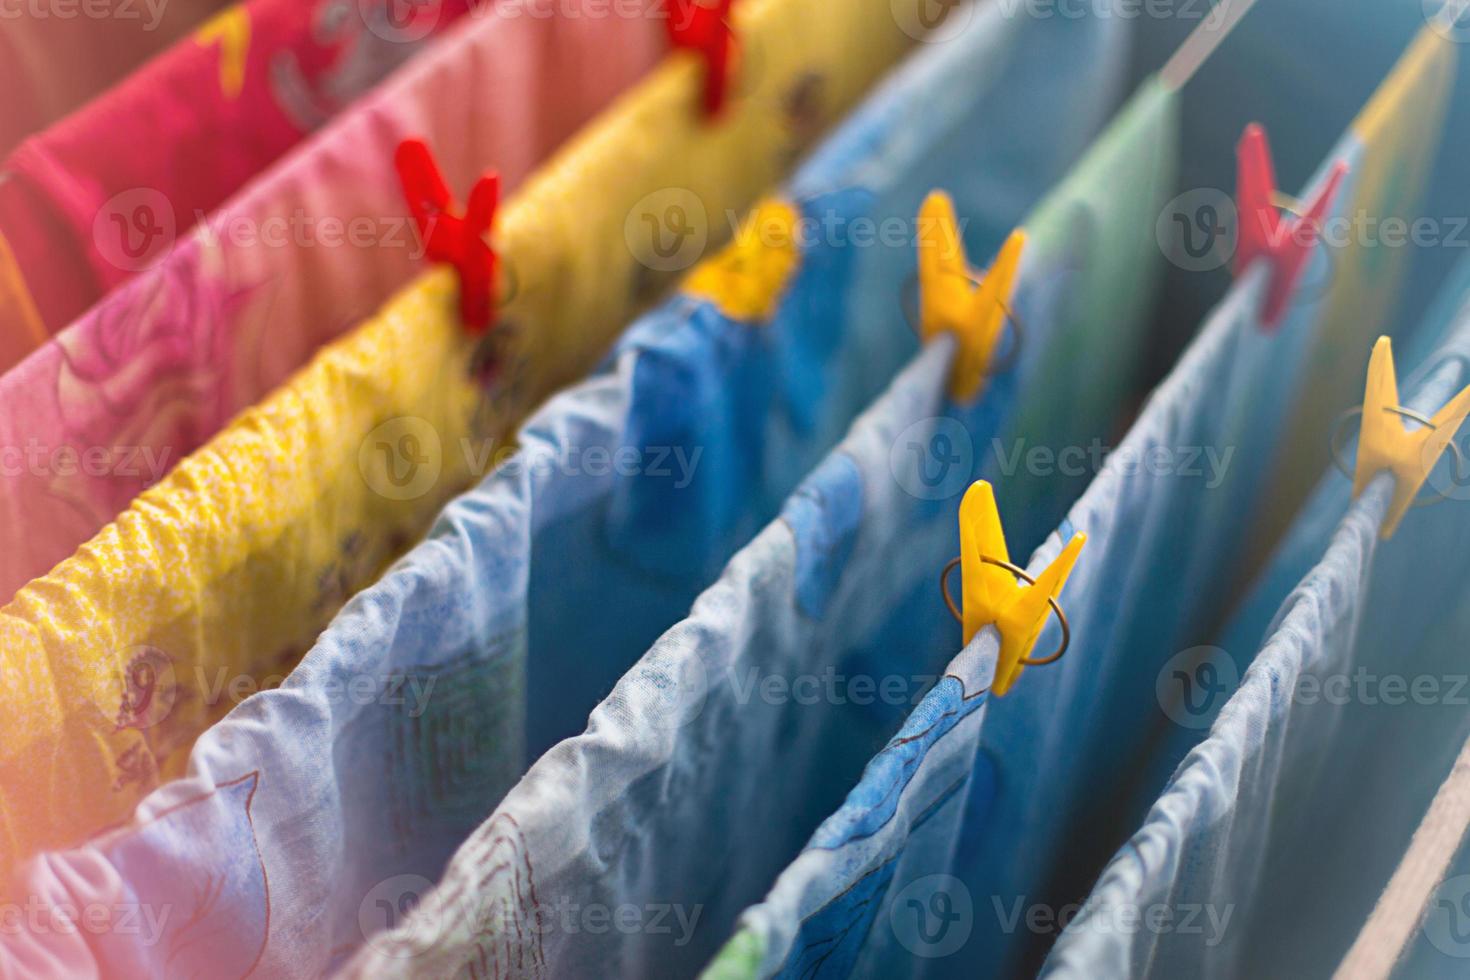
(703, 26)
(447, 237)
(1286, 242)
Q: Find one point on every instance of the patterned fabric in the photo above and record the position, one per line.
(227, 570)
(970, 812)
(626, 492)
(716, 755)
(25, 332)
(51, 63)
(1363, 661)
(104, 193)
(163, 362)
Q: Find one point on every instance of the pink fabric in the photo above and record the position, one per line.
(113, 402)
(95, 197)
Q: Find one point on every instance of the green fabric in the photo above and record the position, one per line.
(1099, 222)
(740, 959)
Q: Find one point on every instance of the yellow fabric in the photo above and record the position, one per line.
(231, 566)
(230, 30)
(746, 280)
(1400, 131)
(23, 331)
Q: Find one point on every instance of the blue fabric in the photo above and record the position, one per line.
(543, 585)
(646, 807)
(1265, 833)
(761, 405)
(719, 753)
(1302, 549)
(973, 810)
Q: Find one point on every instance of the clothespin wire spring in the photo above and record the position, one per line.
(1023, 575)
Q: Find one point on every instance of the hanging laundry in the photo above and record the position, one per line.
(665, 679)
(977, 806)
(106, 192)
(722, 744)
(1398, 133)
(970, 801)
(233, 564)
(52, 60)
(1265, 432)
(1252, 823)
(626, 492)
(298, 257)
(1330, 58)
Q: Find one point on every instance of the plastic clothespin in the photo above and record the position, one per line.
(991, 593)
(703, 26)
(950, 300)
(448, 237)
(1386, 443)
(747, 278)
(1286, 242)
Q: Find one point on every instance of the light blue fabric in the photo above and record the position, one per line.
(719, 753)
(1204, 685)
(973, 811)
(1302, 549)
(1278, 832)
(323, 812)
(711, 759)
(760, 405)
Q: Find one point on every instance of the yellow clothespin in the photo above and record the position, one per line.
(956, 299)
(1387, 444)
(746, 279)
(992, 594)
